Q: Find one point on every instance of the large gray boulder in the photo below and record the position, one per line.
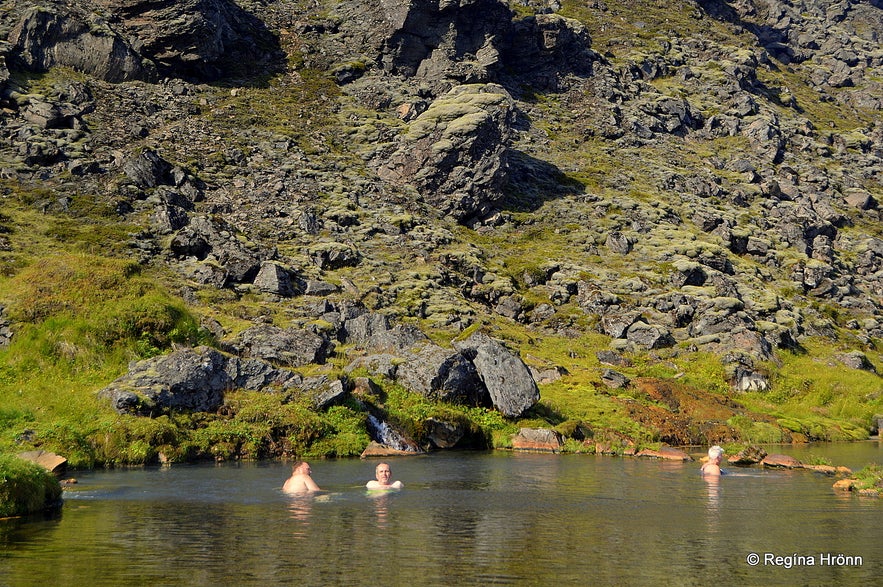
(290, 347)
(460, 41)
(148, 169)
(258, 375)
(649, 336)
(274, 279)
(362, 328)
(377, 333)
(512, 389)
(122, 40)
(46, 37)
(324, 391)
(456, 40)
(546, 47)
(190, 379)
(443, 374)
(201, 39)
(214, 241)
(455, 153)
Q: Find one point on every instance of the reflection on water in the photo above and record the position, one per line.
(713, 485)
(381, 507)
(473, 518)
(300, 508)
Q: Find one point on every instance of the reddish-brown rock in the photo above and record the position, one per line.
(845, 484)
(825, 469)
(537, 439)
(781, 461)
(48, 460)
(375, 449)
(666, 452)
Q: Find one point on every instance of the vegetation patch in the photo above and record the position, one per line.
(870, 478)
(26, 488)
(296, 142)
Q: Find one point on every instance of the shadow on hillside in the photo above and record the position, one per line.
(774, 40)
(235, 47)
(546, 413)
(251, 59)
(531, 182)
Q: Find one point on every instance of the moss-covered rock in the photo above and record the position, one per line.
(455, 152)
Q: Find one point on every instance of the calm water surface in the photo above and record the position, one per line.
(462, 519)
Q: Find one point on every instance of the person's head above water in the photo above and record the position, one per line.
(383, 474)
(715, 453)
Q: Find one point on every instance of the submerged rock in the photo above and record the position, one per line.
(667, 453)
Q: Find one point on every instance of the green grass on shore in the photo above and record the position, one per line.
(81, 318)
(25, 488)
(82, 310)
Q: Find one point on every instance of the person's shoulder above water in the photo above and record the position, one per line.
(712, 465)
(376, 485)
(709, 469)
(300, 480)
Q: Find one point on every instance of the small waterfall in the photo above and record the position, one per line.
(386, 435)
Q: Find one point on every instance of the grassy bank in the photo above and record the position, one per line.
(80, 317)
(26, 488)
(81, 309)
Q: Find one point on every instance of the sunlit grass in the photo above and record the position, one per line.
(816, 395)
(25, 487)
(598, 411)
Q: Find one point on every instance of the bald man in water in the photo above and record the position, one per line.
(383, 474)
(300, 480)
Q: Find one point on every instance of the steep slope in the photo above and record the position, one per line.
(619, 190)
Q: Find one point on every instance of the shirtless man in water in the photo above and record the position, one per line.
(383, 474)
(712, 466)
(300, 480)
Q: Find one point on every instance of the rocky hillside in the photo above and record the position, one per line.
(621, 190)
